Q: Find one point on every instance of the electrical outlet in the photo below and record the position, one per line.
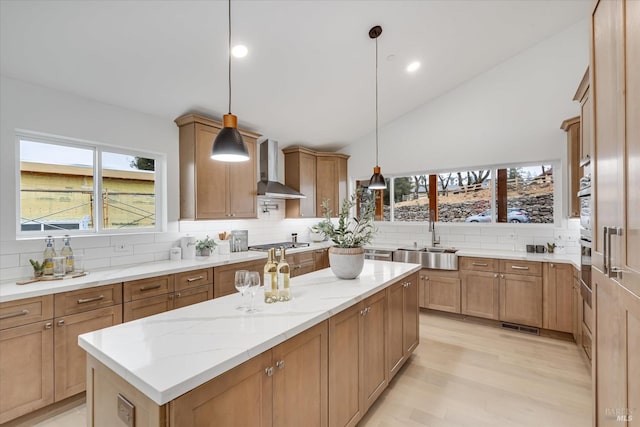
(121, 247)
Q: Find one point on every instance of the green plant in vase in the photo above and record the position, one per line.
(205, 246)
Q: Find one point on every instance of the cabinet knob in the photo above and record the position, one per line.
(178, 295)
(61, 322)
(495, 275)
(269, 371)
(551, 265)
(502, 276)
(48, 325)
(280, 364)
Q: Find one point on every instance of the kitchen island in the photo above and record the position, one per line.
(180, 366)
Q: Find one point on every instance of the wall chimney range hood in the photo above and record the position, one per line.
(268, 186)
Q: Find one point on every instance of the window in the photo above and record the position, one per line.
(72, 187)
(519, 194)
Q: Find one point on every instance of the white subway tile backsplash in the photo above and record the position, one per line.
(25, 257)
(9, 261)
(15, 273)
(150, 248)
(132, 239)
(131, 260)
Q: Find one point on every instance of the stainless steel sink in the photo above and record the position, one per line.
(436, 258)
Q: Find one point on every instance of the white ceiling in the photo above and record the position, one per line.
(310, 73)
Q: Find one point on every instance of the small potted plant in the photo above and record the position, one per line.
(346, 257)
(38, 268)
(205, 246)
(551, 247)
(315, 232)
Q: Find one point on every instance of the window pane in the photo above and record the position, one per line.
(128, 191)
(530, 194)
(465, 196)
(56, 187)
(411, 198)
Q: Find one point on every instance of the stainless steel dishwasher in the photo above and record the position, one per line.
(378, 254)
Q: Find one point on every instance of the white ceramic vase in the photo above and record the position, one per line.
(346, 263)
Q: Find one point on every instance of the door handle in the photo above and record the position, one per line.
(149, 288)
(518, 267)
(612, 272)
(193, 279)
(480, 264)
(16, 314)
(86, 300)
(605, 242)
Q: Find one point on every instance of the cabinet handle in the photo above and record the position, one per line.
(280, 364)
(193, 279)
(16, 314)
(502, 276)
(86, 300)
(519, 267)
(551, 265)
(495, 275)
(178, 295)
(480, 264)
(362, 312)
(612, 272)
(61, 322)
(269, 371)
(368, 309)
(149, 288)
(48, 325)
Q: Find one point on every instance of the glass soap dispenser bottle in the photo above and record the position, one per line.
(67, 253)
(47, 257)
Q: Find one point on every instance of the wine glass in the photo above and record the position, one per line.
(241, 285)
(253, 281)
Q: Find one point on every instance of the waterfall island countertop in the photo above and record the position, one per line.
(169, 354)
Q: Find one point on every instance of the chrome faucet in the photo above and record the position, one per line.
(432, 229)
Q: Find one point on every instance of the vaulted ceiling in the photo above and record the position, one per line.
(310, 73)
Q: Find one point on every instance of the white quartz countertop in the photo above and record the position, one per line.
(10, 291)
(169, 354)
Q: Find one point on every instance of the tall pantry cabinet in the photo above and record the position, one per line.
(615, 82)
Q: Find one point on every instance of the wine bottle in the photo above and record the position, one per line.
(47, 257)
(270, 280)
(284, 293)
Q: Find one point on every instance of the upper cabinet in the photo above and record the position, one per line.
(582, 96)
(574, 170)
(210, 189)
(318, 176)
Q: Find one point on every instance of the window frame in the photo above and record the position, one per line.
(98, 149)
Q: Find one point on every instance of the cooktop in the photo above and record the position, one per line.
(286, 245)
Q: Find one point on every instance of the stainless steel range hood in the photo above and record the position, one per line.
(268, 186)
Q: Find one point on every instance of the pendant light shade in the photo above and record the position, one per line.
(377, 181)
(228, 145)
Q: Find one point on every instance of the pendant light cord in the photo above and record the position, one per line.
(229, 54)
(377, 102)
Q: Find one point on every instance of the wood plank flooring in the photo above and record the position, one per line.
(465, 374)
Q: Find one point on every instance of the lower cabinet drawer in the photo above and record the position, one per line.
(145, 288)
(147, 307)
(193, 296)
(25, 311)
(81, 300)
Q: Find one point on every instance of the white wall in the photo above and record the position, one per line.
(509, 114)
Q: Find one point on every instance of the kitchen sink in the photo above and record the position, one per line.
(437, 258)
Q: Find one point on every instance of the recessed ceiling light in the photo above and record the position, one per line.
(413, 66)
(239, 51)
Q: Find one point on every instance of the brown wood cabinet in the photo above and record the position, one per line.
(70, 368)
(284, 386)
(615, 90)
(317, 175)
(301, 263)
(224, 276)
(558, 295)
(440, 290)
(320, 259)
(403, 337)
(210, 189)
(505, 290)
(586, 121)
(577, 309)
(357, 365)
(26, 356)
(574, 170)
(146, 297)
(300, 174)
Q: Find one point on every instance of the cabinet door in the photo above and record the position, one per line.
(410, 325)
(243, 183)
(147, 307)
(374, 375)
(70, 367)
(26, 369)
(300, 379)
(211, 183)
(320, 259)
(346, 367)
(586, 123)
(480, 294)
(609, 115)
(521, 299)
(224, 276)
(577, 309)
(300, 174)
(241, 396)
(193, 295)
(442, 293)
(395, 318)
(558, 297)
(331, 182)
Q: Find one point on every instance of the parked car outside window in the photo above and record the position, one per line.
(515, 215)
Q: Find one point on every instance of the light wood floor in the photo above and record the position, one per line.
(464, 374)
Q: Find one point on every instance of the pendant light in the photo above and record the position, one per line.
(228, 145)
(377, 181)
